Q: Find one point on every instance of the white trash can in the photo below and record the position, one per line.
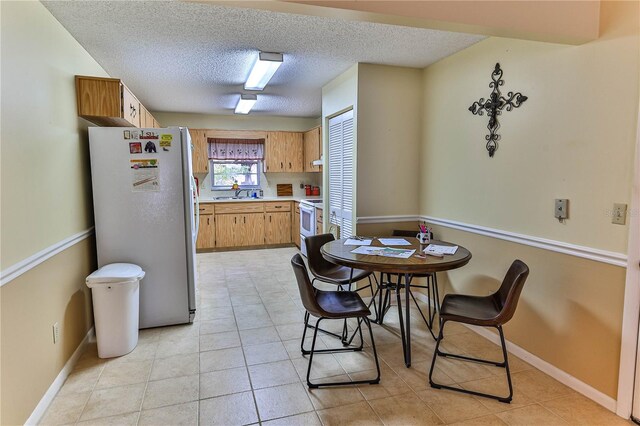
(116, 304)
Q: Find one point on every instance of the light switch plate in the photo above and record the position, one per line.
(619, 216)
(561, 211)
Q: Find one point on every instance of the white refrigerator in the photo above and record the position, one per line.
(143, 196)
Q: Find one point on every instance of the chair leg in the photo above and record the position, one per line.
(354, 382)
(304, 332)
(375, 352)
(505, 364)
(426, 321)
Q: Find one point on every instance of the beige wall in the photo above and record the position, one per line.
(570, 311)
(338, 96)
(235, 122)
(557, 21)
(574, 138)
(31, 304)
(389, 126)
(46, 185)
(45, 197)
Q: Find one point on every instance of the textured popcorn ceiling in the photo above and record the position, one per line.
(192, 57)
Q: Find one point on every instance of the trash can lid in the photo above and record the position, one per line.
(116, 273)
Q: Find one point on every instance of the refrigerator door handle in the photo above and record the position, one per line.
(195, 194)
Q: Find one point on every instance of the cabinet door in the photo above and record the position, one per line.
(130, 107)
(275, 152)
(143, 117)
(226, 225)
(251, 229)
(312, 144)
(206, 232)
(99, 98)
(200, 151)
(277, 228)
(295, 225)
(294, 161)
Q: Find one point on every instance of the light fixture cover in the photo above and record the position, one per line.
(263, 69)
(245, 103)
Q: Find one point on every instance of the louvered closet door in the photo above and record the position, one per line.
(341, 172)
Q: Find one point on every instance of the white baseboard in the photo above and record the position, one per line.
(553, 371)
(41, 408)
(542, 365)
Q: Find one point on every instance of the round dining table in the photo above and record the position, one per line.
(337, 252)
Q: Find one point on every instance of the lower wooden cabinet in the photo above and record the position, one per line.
(295, 224)
(251, 230)
(225, 230)
(240, 230)
(319, 220)
(248, 224)
(277, 228)
(206, 232)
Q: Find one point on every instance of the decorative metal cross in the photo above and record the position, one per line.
(494, 106)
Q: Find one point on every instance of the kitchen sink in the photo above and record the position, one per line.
(232, 198)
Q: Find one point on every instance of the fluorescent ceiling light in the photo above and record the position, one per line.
(262, 71)
(245, 103)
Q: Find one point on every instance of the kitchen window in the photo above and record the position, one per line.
(224, 173)
(235, 161)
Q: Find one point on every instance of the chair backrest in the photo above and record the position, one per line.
(508, 294)
(307, 291)
(317, 263)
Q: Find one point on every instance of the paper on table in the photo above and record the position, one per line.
(384, 251)
(356, 242)
(394, 241)
(436, 249)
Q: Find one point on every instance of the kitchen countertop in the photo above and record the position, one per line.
(205, 200)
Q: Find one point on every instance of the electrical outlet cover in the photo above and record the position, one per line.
(561, 210)
(619, 216)
(56, 333)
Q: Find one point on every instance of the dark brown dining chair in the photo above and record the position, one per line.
(325, 271)
(331, 305)
(494, 310)
(431, 285)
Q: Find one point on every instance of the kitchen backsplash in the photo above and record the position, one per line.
(268, 184)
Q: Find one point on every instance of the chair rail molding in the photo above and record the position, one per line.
(598, 255)
(604, 256)
(14, 271)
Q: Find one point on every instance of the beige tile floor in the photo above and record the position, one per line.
(240, 363)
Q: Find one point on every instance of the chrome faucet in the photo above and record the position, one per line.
(238, 191)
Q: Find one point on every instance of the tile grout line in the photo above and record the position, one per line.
(244, 356)
(93, 388)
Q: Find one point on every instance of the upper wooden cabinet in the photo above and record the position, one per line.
(108, 102)
(200, 157)
(284, 152)
(312, 149)
(146, 119)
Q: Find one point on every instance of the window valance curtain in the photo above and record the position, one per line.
(236, 149)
